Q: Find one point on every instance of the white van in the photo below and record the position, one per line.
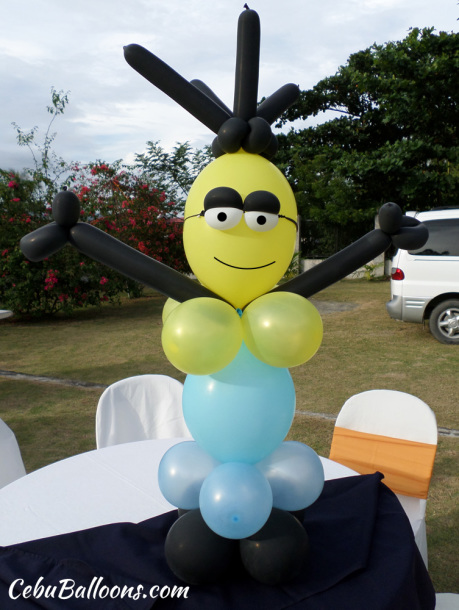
(425, 282)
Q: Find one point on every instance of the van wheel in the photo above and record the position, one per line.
(444, 322)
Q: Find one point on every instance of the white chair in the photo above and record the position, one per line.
(11, 464)
(447, 601)
(364, 439)
(140, 408)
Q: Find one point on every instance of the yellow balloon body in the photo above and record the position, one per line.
(169, 306)
(282, 329)
(202, 336)
(240, 263)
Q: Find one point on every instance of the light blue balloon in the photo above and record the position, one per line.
(182, 471)
(235, 500)
(243, 412)
(296, 475)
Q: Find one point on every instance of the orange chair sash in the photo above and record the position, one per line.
(407, 465)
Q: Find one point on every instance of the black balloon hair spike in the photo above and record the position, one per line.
(248, 125)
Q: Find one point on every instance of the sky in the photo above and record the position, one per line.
(77, 47)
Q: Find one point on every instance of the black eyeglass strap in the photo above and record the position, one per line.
(291, 220)
(201, 213)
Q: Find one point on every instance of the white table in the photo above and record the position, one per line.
(110, 485)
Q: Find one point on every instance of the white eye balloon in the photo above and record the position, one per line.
(261, 221)
(223, 218)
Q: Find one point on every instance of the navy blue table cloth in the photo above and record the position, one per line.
(363, 556)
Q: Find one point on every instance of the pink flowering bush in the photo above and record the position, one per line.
(68, 280)
(128, 206)
(120, 200)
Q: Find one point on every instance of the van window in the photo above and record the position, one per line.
(443, 238)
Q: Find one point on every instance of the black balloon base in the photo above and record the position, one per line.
(196, 554)
(278, 552)
(274, 555)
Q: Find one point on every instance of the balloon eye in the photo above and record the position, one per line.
(223, 218)
(261, 221)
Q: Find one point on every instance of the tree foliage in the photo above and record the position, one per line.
(173, 172)
(48, 169)
(395, 138)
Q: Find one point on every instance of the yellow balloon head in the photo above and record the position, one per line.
(241, 260)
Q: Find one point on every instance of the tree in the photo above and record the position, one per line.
(173, 172)
(48, 168)
(395, 138)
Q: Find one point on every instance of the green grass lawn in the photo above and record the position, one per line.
(362, 349)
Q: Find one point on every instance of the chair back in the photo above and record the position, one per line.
(447, 601)
(140, 408)
(391, 432)
(11, 464)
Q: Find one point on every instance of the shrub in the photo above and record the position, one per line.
(119, 203)
(121, 200)
(130, 207)
(66, 281)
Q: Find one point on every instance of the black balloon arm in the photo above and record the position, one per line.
(165, 78)
(402, 231)
(117, 255)
(338, 266)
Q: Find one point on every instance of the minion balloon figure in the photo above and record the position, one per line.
(238, 486)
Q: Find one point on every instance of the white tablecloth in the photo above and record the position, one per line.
(109, 485)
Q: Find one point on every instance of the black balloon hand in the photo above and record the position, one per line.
(47, 240)
(405, 232)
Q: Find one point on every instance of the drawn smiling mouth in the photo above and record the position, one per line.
(244, 268)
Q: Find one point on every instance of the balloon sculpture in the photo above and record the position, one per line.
(237, 485)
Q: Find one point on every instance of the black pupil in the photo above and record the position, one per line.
(222, 216)
(261, 220)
